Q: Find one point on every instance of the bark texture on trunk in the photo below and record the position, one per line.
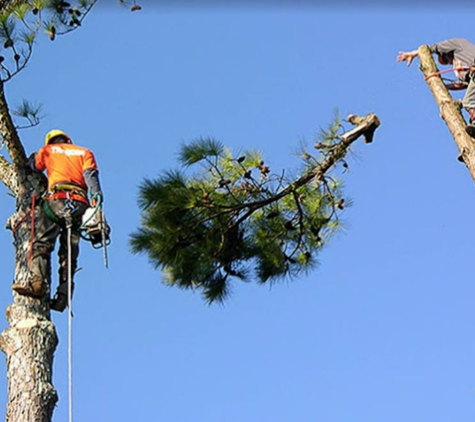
(449, 110)
(29, 346)
(30, 341)
(7, 175)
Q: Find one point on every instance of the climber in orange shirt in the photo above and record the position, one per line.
(73, 185)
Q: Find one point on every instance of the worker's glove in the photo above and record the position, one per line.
(31, 161)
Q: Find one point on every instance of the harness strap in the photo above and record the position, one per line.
(67, 190)
(441, 72)
(69, 187)
(21, 221)
(32, 235)
(50, 214)
(67, 195)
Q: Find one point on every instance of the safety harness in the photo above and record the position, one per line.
(94, 227)
(468, 69)
(66, 190)
(63, 191)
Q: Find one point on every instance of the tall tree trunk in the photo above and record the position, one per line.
(449, 110)
(30, 341)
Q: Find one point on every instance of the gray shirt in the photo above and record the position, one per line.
(463, 50)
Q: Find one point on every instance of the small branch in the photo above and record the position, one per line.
(7, 175)
(10, 136)
(9, 5)
(19, 67)
(300, 215)
(80, 20)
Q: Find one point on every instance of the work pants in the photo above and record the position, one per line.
(469, 97)
(46, 233)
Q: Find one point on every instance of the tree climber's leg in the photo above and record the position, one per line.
(46, 232)
(469, 105)
(60, 299)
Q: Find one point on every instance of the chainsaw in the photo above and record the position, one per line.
(95, 229)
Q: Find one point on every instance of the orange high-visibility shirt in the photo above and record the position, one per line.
(65, 163)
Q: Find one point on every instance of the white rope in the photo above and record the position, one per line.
(70, 330)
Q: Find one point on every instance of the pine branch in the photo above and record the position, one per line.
(21, 21)
(9, 5)
(29, 111)
(206, 230)
(69, 16)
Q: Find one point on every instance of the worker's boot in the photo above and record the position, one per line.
(60, 299)
(32, 287)
(470, 128)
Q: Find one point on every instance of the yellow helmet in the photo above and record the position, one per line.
(53, 134)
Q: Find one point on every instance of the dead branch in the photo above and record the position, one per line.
(12, 141)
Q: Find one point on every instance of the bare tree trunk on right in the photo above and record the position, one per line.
(449, 110)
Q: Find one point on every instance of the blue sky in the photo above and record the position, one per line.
(381, 331)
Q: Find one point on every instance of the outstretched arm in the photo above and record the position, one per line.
(407, 56)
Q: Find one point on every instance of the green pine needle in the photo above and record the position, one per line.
(199, 149)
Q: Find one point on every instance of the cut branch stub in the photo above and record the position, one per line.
(366, 126)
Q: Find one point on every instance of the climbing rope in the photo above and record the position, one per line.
(70, 330)
(68, 210)
(32, 234)
(442, 72)
(31, 212)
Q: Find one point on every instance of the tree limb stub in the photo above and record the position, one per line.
(10, 136)
(449, 110)
(366, 127)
